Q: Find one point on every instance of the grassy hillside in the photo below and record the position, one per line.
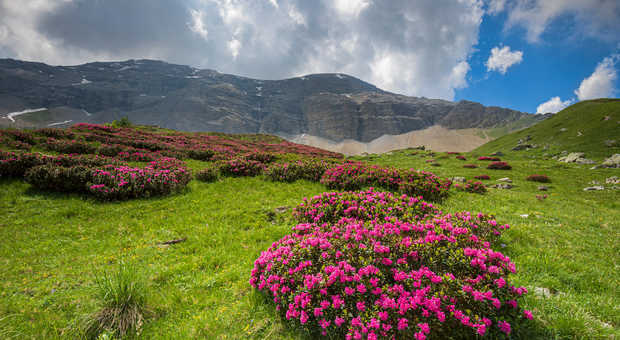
(56, 245)
(582, 127)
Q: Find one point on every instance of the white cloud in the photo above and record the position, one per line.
(595, 18)
(197, 24)
(398, 45)
(600, 83)
(496, 6)
(502, 58)
(553, 105)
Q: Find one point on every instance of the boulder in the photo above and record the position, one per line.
(584, 161)
(459, 179)
(543, 188)
(505, 179)
(596, 187)
(571, 157)
(612, 162)
(612, 180)
(502, 186)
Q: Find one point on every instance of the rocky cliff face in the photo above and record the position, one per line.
(331, 106)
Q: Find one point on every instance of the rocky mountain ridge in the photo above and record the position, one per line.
(335, 107)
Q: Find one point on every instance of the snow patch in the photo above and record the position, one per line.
(339, 76)
(60, 123)
(193, 77)
(13, 114)
(83, 82)
(86, 112)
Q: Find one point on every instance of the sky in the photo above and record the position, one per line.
(535, 56)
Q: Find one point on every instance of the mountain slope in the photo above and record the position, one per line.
(335, 107)
(591, 126)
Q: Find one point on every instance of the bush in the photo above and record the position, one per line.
(241, 167)
(263, 157)
(58, 178)
(69, 146)
(371, 274)
(209, 174)
(470, 166)
(487, 158)
(482, 177)
(346, 176)
(461, 158)
(471, 186)
(55, 133)
(111, 150)
(122, 298)
(201, 154)
(499, 166)
(538, 178)
(16, 164)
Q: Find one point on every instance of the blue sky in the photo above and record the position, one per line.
(548, 53)
(555, 65)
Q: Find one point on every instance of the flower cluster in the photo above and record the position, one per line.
(482, 177)
(470, 166)
(353, 176)
(487, 158)
(461, 157)
(308, 169)
(471, 186)
(69, 146)
(370, 265)
(499, 166)
(538, 178)
(241, 167)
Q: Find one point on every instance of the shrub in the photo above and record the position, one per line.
(499, 166)
(482, 177)
(470, 166)
(372, 276)
(208, 174)
(346, 176)
(201, 154)
(137, 156)
(435, 164)
(69, 146)
(58, 178)
(122, 297)
(241, 167)
(16, 164)
(487, 158)
(263, 157)
(461, 158)
(471, 186)
(538, 178)
(55, 133)
(111, 150)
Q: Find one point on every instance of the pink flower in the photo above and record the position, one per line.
(402, 324)
(504, 326)
(339, 321)
(361, 306)
(528, 315)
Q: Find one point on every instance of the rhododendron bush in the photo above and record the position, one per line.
(373, 265)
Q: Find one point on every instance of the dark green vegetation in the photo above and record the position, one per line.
(591, 126)
(53, 245)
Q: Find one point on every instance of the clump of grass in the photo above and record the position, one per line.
(122, 295)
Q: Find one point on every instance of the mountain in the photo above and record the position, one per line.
(590, 126)
(333, 107)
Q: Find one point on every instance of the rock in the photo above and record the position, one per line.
(528, 138)
(502, 186)
(563, 129)
(579, 134)
(610, 143)
(283, 209)
(542, 292)
(522, 147)
(596, 187)
(505, 179)
(595, 182)
(459, 179)
(564, 152)
(543, 188)
(498, 153)
(612, 180)
(571, 157)
(584, 161)
(525, 216)
(612, 162)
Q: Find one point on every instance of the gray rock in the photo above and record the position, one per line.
(459, 179)
(612, 180)
(610, 143)
(584, 161)
(505, 179)
(596, 187)
(571, 157)
(612, 162)
(502, 186)
(595, 182)
(498, 153)
(542, 292)
(522, 147)
(543, 188)
(563, 129)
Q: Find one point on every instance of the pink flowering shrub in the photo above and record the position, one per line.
(460, 157)
(201, 154)
(487, 158)
(263, 157)
(69, 146)
(471, 186)
(482, 177)
(55, 133)
(59, 178)
(470, 166)
(308, 169)
(538, 178)
(241, 167)
(208, 174)
(499, 166)
(408, 273)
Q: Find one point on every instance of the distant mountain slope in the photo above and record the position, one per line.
(591, 126)
(335, 107)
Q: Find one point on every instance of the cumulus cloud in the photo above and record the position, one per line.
(496, 6)
(502, 58)
(600, 83)
(553, 105)
(397, 45)
(593, 18)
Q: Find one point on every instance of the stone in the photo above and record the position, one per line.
(612, 162)
(563, 129)
(522, 147)
(571, 157)
(505, 179)
(584, 161)
(610, 143)
(596, 187)
(612, 180)
(459, 179)
(542, 292)
(497, 153)
(524, 215)
(503, 186)
(595, 182)
(543, 188)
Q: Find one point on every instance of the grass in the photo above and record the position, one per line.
(53, 243)
(582, 127)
